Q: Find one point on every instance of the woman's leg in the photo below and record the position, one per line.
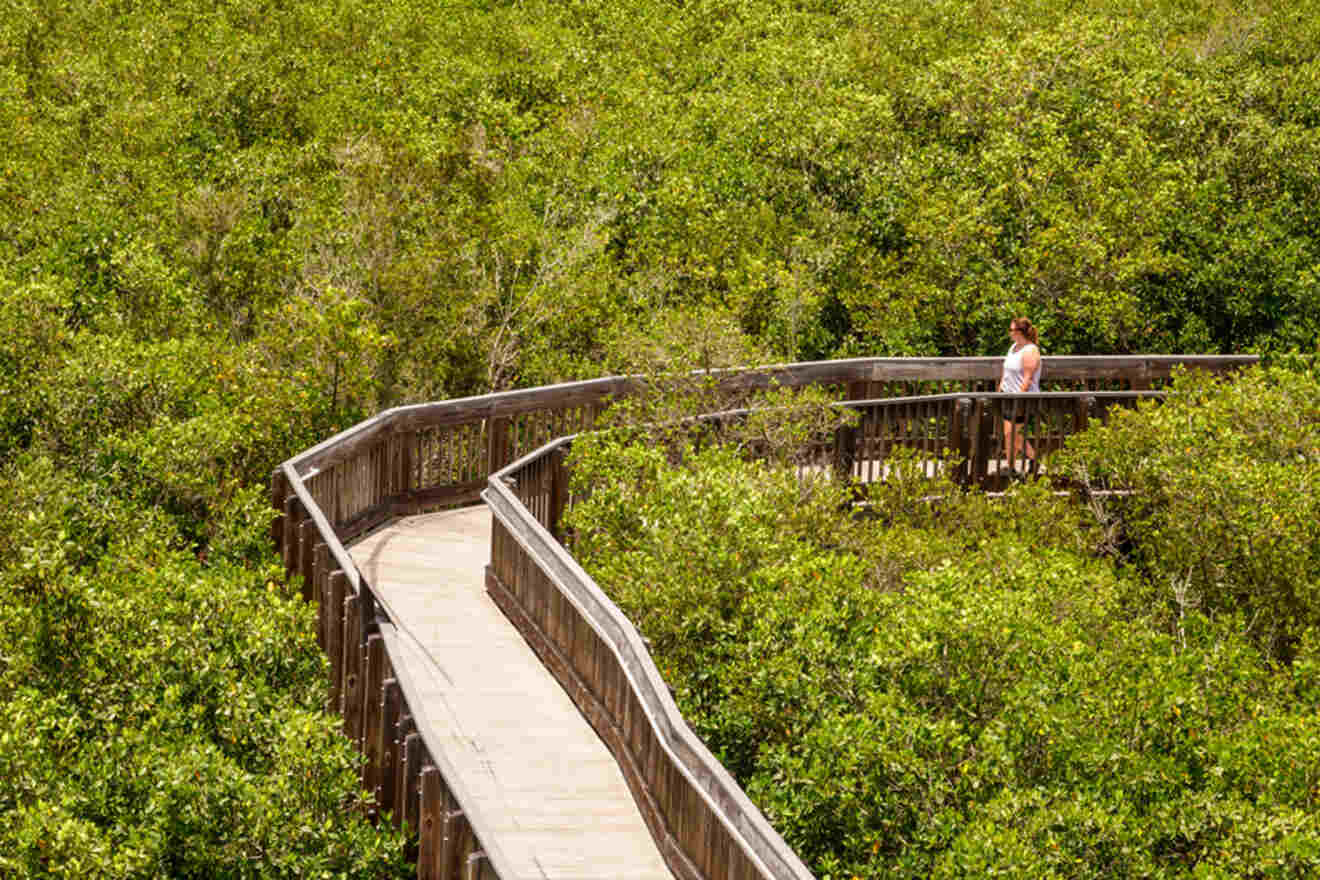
(1010, 442)
(1015, 438)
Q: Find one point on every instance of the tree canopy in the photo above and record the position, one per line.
(229, 229)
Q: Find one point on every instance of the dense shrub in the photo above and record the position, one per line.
(163, 715)
(1227, 481)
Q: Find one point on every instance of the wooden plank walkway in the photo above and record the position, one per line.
(558, 800)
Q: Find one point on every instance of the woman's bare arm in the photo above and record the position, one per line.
(1030, 365)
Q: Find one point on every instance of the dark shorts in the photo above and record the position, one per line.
(1020, 418)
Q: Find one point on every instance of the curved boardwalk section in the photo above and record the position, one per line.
(551, 792)
(466, 739)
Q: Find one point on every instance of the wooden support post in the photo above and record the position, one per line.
(558, 492)
(413, 753)
(497, 443)
(306, 544)
(1085, 407)
(371, 710)
(279, 491)
(354, 663)
(960, 431)
(334, 641)
(478, 867)
(455, 843)
(320, 583)
(387, 746)
(289, 544)
(370, 610)
(382, 478)
(403, 727)
(845, 453)
(431, 829)
(983, 425)
(407, 483)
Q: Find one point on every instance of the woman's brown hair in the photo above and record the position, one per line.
(1024, 327)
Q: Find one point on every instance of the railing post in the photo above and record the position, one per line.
(960, 431)
(354, 664)
(334, 633)
(306, 548)
(845, 453)
(404, 441)
(558, 492)
(456, 833)
(320, 584)
(1085, 407)
(478, 868)
(372, 693)
(289, 544)
(431, 829)
(386, 747)
(497, 443)
(279, 491)
(409, 790)
(983, 425)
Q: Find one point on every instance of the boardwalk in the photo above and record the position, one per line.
(538, 772)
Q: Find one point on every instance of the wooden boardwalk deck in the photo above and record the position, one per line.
(540, 774)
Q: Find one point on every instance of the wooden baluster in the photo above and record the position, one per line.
(478, 867)
(431, 829)
(307, 538)
(334, 643)
(455, 846)
(845, 453)
(292, 517)
(414, 751)
(405, 453)
(1085, 407)
(983, 424)
(403, 728)
(372, 692)
(354, 665)
(961, 430)
(279, 491)
(385, 747)
(320, 583)
(558, 497)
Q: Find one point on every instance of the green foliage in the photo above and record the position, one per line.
(945, 684)
(1227, 477)
(163, 715)
(231, 229)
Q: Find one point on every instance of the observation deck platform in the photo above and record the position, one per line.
(538, 773)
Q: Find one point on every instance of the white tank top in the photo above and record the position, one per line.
(1013, 370)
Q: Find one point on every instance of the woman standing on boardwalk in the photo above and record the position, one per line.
(1021, 372)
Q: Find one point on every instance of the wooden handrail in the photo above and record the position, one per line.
(1139, 371)
(414, 458)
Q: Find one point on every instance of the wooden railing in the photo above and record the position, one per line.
(963, 434)
(416, 458)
